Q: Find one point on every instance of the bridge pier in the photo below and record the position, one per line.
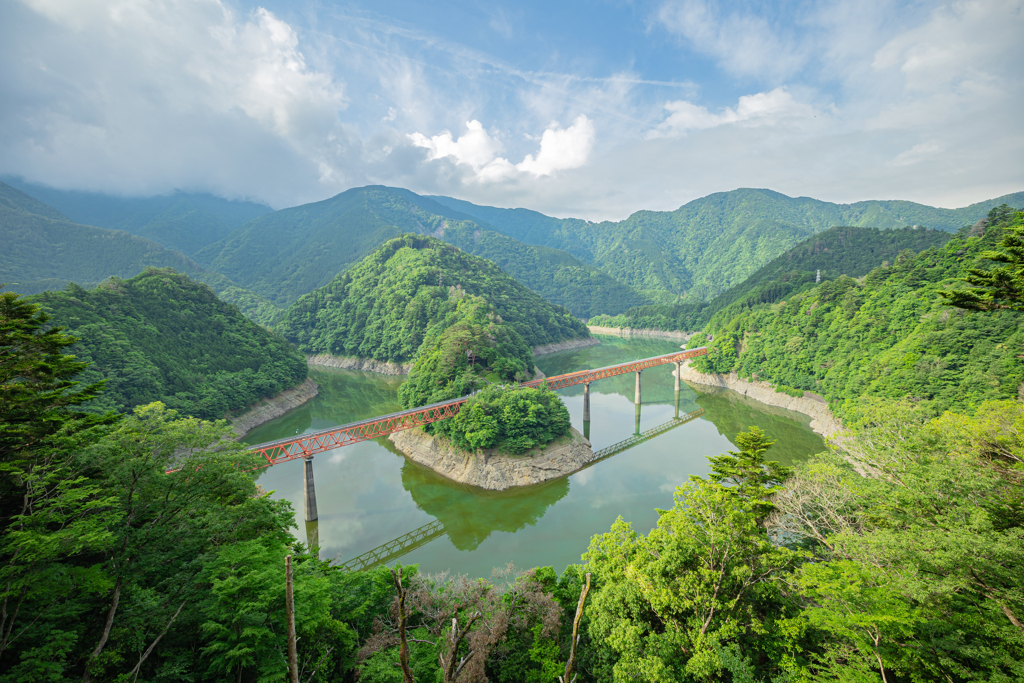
(636, 398)
(309, 491)
(586, 402)
(679, 371)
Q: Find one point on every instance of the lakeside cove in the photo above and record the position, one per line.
(370, 493)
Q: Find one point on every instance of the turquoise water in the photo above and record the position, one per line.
(369, 494)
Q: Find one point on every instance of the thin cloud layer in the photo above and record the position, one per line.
(649, 106)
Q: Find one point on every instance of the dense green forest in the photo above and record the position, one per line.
(43, 250)
(161, 336)
(289, 253)
(888, 334)
(712, 243)
(382, 307)
(837, 251)
(116, 570)
(182, 220)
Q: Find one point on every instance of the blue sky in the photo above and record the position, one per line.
(590, 109)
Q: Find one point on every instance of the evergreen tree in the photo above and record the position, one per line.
(1000, 287)
(747, 473)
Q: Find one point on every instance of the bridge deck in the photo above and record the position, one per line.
(305, 445)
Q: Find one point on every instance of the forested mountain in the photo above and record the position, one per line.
(711, 243)
(161, 336)
(888, 335)
(43, 250)
(182, 220)
(382, 307)
(837, 251)
(291, 252)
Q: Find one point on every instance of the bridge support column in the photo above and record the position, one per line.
(308, 491)
(586, 401)
(679, 371)
(636, 398)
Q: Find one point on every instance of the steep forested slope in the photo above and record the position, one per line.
(712, 243)
(289, 253)
(837, 251)
(161, 336)
(887, 335)
(183, 221)
(382, 307)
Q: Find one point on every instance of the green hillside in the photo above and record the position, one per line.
(834, 252)
(289, 253)
(43, 250)
(887, 335)
(382, 307)
(161, 336)
(182, 220)
(711, 243)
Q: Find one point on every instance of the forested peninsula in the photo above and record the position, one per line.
(382, 307)
(161, 336)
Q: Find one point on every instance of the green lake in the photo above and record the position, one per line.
(369, 494)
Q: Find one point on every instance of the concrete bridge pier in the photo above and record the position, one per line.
(679, 371)
(309, 491)
(586, 430)
(636, 398)
(586, 402)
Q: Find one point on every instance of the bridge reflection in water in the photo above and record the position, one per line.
(417, 538)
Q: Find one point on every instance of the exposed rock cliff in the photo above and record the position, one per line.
(822, 420)
(564, 346)
(365, 364)
(275, 406)
(490, 470)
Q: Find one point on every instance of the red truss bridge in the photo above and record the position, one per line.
(306, 445)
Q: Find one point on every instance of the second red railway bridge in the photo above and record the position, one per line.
(305, 446)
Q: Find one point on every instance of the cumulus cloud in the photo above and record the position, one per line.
(752, 110)
(560, 149)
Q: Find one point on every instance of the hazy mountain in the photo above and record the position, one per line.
(715, 242)
(183, 221)
(288, 253)
(44, 250)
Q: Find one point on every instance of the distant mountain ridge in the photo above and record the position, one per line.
(289, 253)
(181, 220)
(715, 242)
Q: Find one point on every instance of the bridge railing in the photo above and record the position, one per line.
(587, 376)
(306, 445)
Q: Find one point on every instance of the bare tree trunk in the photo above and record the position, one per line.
(575, 634)
(86, 677)
(289, 611)
(403, 621)
(135, 671)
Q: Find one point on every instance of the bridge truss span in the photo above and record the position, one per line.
(588, 376)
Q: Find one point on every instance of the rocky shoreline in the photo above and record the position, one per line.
(637, 332)
(564, 346)
(487, 469)
(275, 406)
(381, 367)
(823, 422)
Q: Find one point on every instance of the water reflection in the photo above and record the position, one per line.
(372, 499)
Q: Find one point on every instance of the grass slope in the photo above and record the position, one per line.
(382, 307)
(161, 336)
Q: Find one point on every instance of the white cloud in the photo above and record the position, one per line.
(744, 44)
(752, 110)
(560, 149)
